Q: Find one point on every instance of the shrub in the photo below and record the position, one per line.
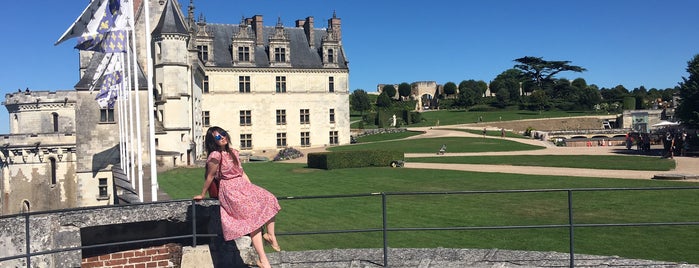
(288, 154)
(353, 159)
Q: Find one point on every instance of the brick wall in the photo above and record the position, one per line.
(168, 255)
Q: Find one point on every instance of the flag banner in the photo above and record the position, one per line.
(109, 91)
(109, 42)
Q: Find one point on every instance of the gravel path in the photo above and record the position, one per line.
(685, 166)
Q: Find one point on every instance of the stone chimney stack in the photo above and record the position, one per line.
(335, 24)
(308, 29)
(259, 29)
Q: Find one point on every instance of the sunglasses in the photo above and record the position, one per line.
(221, 135)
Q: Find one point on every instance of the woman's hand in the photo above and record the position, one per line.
(198, 197)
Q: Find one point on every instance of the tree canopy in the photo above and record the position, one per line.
(359, 100)
(542, 71)
(404, 89)
(689, 94)
(389, 90)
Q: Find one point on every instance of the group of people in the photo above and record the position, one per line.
(641, 140)
(245, 207)
(675, 142)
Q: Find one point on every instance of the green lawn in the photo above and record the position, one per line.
(620, 162)
(675, 243)
(432, 145)
(456, 117)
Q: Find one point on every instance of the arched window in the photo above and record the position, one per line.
(55, 122)
(26, 207)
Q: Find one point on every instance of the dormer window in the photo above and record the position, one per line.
(243, 53)
(280, 54)
(203, 52)
(331, 56)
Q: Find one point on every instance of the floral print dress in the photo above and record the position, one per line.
(245, 207)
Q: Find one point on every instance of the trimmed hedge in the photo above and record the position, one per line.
(353, 159)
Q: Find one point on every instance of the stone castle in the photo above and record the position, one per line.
(271, 87)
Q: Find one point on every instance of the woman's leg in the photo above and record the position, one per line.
(256, 237)
(270, 235)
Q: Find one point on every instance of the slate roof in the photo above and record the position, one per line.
(301, 54)
(170, 21)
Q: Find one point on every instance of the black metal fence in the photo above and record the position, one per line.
(385, 229)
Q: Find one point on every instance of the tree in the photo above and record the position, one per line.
(384, 100)
(687, 110)
(508, 81)
(359, 101)
(404, 89)
(542, 71)
(471, 92)
(450, 88)
(390, 91)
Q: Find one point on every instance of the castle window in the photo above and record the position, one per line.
(305, 116)
(280, 54)
(331, 56)
(244, 84)
(334, 138)
(246, 118)
(206, 84)
(103, 188)
(107, 115)
(243, 53)
(55, 122)
(332, 115)
(26, 207)
(281, 117)
(281, 140)
(203, 53)
(206, 118)
(281, 84)
(245, 141)
(53, 171)
(305, 139)
(331, 84)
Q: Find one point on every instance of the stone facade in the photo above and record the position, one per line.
(271, 87)
(38, 158)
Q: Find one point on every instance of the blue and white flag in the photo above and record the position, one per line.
(102, 26)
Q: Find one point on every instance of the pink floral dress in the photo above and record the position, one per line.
(245, 207)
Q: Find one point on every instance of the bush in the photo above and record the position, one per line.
(353, 159)
(288, 154)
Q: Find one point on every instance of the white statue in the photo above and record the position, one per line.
(393, 123)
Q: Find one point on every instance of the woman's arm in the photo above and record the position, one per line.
(212, 168)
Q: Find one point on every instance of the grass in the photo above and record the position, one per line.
(490, 133)
(456, 117)
(618, 162)
(677, 243)
(432, 145)
(387, 136)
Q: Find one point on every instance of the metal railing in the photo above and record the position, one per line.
(385, 229)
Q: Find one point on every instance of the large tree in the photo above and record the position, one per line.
(542, 71)
(359, 101)
(450, 88)
(687, 111)
(404, 89)
(389, 90)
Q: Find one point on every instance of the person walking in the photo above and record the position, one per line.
(245, 207)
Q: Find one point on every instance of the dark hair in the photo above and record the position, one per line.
(210, 142)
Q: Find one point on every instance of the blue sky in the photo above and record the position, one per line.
(622, 42)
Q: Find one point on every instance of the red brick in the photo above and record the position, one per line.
(128, 254)
(139, 253)
(92, 264)
(152, 264)
(139, 259)
(163, 264)
(105, 257)
(129, 266)
(151, 252)
(115, 262)
(92, 259)
(117, 255)
(140, 265)
(160, 257)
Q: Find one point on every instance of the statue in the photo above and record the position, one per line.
(393, 123)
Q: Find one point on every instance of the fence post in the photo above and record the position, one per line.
(26, 236)
(194, 223)
(570, 228)
(384, 229)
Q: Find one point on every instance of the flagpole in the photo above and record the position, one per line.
(137, 100)
(122, 139)
(151, 117)
(131, 134)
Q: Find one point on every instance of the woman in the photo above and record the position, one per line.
(245, 207)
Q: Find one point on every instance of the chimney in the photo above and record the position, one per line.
(335, 24)
(300, 23)
(308, 29)
(259, 29)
